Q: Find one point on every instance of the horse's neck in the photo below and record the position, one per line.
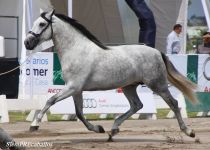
(67, 39)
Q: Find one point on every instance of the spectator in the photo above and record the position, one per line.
(173, 40)
(205, 47)
(147, 24)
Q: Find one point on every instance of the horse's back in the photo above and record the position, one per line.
(139, 54)
(138, 50)
(148, 61)
(126, 64)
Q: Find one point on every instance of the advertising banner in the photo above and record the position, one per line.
(199, 72)
(43, 75)
(192, 68)
(38, 73)
(204, 73)
(57, 72)
(101, 102)
(180, 63)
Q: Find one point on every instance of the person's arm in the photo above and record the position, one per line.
(176, 47)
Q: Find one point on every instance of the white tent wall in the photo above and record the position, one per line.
(61, 6)
(101, 17)
(166, 13)
(129, 21)
(206, 8)
(126, 28)
(182, 19)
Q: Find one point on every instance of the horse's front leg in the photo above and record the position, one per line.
(68, 91)
(78, 101)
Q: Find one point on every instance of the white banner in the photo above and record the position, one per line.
(101, 102)
(180, 63)
(204, 73)
(39, 73)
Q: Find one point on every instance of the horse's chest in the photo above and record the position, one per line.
(74, 68)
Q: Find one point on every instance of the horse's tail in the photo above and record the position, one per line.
(179, 81)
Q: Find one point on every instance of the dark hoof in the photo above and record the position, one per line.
(101, 129)
(110, 139)
(18, 148)
(192, 134)
(114, 132)
(33, 128)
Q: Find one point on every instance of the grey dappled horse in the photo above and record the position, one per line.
(88, 65)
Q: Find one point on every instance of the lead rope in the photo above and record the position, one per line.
(7, 72)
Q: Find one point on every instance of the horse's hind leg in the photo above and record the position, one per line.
(173, 104)
(135, 105)
(78, 101)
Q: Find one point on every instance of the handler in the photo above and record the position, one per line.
(147, 24)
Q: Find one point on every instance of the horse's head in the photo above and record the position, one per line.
(41, 31)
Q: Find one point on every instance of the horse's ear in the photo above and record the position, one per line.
(50, 14)
(41, 11)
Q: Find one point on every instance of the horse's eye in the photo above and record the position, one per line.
(42, 24)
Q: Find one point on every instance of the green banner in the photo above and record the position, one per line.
(203, 97)
(57, 72)
(192, 68)
(202, 106)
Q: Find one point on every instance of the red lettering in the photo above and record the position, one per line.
(54, 90)
(102, 100)
(207, 89)
(119, 90)
(49, 90)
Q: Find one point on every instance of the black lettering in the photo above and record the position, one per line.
(27, 72)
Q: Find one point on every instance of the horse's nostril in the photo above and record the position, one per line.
(27, 43)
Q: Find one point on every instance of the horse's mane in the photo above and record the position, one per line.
(81, 29)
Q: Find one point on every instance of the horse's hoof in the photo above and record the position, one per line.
(100, 129)
(114, 132)
(18, 148)
(110, 139)
(33, 128)
(192, 134)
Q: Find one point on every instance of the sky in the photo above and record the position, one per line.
(195, 8)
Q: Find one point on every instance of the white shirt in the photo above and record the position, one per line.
(173, 43)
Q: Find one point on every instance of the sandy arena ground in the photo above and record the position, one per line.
(134, 135)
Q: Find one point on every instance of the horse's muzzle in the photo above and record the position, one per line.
(31, 42)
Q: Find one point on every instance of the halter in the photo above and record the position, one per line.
(37, 35)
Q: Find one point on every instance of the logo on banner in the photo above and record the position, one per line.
(205, 70)
(38, 73)
(57, 72)
(89, 103)
(192, 68)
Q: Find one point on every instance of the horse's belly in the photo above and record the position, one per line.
(112, 80)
